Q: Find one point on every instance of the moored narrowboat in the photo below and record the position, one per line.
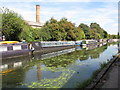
(88, 42)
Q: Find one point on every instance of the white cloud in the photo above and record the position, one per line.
(23, 10)
(105, 16)
(29, 16)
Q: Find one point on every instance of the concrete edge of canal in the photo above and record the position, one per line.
(100, 78)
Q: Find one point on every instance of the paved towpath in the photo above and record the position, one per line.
(111, 79)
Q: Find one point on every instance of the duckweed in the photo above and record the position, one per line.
(60, 64)
(52, 82)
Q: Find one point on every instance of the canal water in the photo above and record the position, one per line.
(62, 69)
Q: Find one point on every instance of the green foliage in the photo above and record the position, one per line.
(51, 30)
(105, 34)
(112, 36)
(11, 24)
(61, 30)
(14, 27)
(27, 34)
(79, 34)
(118, 35)
(69, 28)
(97, 32)
(86, 30)
(94, 31)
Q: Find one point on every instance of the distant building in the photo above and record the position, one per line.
(36, 24)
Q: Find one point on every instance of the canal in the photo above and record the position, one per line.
(62, 69)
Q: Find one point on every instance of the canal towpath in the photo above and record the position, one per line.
(110, 79)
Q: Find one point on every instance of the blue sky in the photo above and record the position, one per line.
(103, 12)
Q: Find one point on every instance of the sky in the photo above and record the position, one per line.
(103, 12)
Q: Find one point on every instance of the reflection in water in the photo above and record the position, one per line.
(53, 82)
(56, 69)
(53, 54)
(38, 71)
(13, 78)
(118, 47)
(10, 66)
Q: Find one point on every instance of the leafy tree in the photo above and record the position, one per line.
(112, 36)
(118, 35)
(63, 28)
(70, 35)
(45, 33)
(51, 27)
(94, 35)
(67, 29)
(27, 34)
(86, 30)
(11, 25)
(70, 31)
(36, 33)
(79, 33)
(105, 34)
(58, 30)
(97, 32)
(14, 27)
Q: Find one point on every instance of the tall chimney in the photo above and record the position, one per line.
(38, 13)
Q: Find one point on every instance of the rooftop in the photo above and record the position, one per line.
(35, 24)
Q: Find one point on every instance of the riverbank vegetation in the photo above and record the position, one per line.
(15, 28)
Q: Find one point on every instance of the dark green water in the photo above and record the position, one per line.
(66, 69)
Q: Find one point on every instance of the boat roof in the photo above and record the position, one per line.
(8, 42)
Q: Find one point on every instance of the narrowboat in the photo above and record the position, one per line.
(88, 42)
(10, 49)
(77, 43)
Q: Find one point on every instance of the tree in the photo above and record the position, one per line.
(79, 33)
(51, 28)
(97, 32)
(105, 34)
(86, 30)
(59, 30)
(27, 34)
(118, 35)
(11, 25)
(112, 36)
(14, 27)
(67, 29)
(94, 34)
